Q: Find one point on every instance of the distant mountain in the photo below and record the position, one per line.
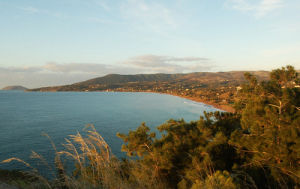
(113, 81)
(116, 78)
(119, 79)
(15, 88)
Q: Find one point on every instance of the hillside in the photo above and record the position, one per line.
(15, 88)
(116, 78)
(212, 88)
(114, 81)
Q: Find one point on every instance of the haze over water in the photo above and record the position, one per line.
(26, 115)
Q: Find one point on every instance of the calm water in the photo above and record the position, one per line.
(24, 116)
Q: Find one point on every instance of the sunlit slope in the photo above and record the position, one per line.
(115, 81)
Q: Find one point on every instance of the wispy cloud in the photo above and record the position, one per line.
(103, 4)
(168, 64)
(148, 15)
(20, 69)
(54, 68)
(34, 10)
(138, 64)
(53, 73)
(99, 20)
(257, 8)
(30, 9)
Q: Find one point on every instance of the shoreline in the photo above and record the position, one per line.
(222, 107)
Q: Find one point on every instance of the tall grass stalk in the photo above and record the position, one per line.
(94, 164)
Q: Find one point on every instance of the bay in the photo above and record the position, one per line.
(24, 116)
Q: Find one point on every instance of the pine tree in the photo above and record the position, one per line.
(271, 125)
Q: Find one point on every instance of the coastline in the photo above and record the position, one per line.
(222, 107)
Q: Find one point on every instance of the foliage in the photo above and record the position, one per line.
(218, 180)
(271, 125)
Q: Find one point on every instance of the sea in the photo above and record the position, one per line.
(25, 116)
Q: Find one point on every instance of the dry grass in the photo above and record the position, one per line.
(94, 166)
(93, 161)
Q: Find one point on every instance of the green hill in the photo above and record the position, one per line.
(113, 81)
(116, 78)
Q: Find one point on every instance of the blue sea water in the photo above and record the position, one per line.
(24, 116)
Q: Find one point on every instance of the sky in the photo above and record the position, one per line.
(56, 42)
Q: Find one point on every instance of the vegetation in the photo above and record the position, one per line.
(258, 146)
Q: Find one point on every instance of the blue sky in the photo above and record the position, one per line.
(53, 42)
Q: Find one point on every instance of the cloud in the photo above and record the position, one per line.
(21, 69)
(103, 4)
(99, 20)
(38, 79)
(50, 74)
(89, 68)
(138, 64)
(148, 15)
(54, 73)
(34, 10)
(30, 9)
(168, 64)
(76, 68)
(257, 8)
